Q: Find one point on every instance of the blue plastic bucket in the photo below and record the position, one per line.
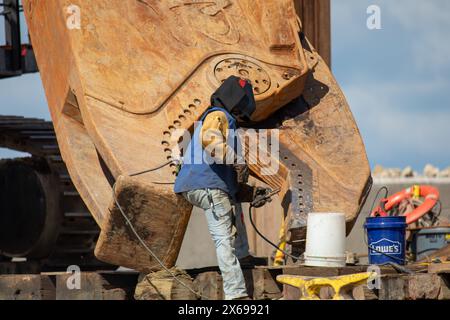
(386, 239)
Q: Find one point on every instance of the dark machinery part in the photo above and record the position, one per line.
(42, 217)
(15, 58)
(29, 206)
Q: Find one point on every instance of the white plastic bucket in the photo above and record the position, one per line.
(325, 240)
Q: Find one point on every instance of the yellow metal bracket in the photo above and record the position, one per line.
(310, 286)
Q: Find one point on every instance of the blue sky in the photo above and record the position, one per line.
(397, 80)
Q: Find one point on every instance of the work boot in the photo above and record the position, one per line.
(251, 261)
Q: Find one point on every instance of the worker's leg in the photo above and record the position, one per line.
(241, 242)
(219, 215)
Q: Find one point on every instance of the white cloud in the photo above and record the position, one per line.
(401, 103)
(429, 21)
(390, 131)
(425, 23)
(349, 16)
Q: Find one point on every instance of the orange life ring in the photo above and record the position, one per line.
(430, 194)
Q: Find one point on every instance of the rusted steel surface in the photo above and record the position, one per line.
(146, 206)
(134, 71)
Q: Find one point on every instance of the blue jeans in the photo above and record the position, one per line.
(219, 215)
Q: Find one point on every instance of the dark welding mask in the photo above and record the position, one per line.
(236, 96)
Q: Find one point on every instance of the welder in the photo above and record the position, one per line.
(214, 177)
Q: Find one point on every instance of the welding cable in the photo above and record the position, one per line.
(378, 251)
(371, 210)
(398, 267)
(393, 264)
(136, 234)
(265, 239)
(436, 216)
(152, 170)
(440, 208)
(128, 222)
(376, 197)
(165, 164)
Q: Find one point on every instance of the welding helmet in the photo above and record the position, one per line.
(236, 96)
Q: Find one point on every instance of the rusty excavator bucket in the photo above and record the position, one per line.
(121, 76)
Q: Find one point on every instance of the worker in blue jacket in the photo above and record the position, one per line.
(212, 174)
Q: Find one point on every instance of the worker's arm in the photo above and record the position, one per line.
(213, 137)
(213, 134)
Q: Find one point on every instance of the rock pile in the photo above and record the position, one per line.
(429, 171)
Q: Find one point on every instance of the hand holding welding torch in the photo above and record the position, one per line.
(262, 196)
